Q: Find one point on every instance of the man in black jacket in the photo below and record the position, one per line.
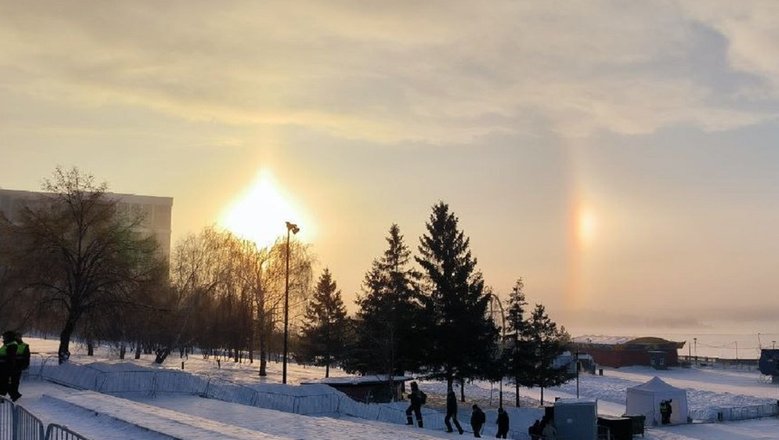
(503, 423)
(8, 366)
(477, 420)
(451, 412)
(415, 406)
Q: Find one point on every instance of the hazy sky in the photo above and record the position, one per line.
(620, 156)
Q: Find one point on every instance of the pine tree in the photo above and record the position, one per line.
(547, 342)
(389, 309)
(461, 337)
(517, 354)
(326, 326)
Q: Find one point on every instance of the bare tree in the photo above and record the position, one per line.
(82, 255)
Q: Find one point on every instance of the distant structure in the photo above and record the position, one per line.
(156, 211)
(367, 389)
(620, 351)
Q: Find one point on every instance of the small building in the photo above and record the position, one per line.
(613, 351)
(368, 389)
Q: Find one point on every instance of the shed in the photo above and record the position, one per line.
(368, 389)
(645, 400)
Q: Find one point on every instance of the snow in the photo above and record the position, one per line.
(111, 399)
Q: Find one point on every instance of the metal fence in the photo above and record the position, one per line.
(16, 423)
(735, 413)
(58, 432)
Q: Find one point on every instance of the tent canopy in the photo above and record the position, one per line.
(645, 400)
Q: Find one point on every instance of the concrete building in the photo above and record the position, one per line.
(156, 211)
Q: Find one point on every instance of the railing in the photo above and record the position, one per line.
(735, 413)
(16, 423)
(28, 427)
(58, 432)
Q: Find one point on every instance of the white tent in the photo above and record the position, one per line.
(645, 399)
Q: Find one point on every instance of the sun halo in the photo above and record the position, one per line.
(260, 212)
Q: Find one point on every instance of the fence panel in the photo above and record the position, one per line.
(58, 432)
(28, 427)
(7, 413)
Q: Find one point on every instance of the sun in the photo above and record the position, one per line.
(259, 213)
(587, 226)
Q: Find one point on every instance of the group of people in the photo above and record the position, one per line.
(14, 358)
(478, 418)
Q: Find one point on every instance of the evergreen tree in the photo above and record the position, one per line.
(326, 326)
(547, 342)
(388, 315)
(517, 353)
(461, 338)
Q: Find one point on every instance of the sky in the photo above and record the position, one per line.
(618, 156)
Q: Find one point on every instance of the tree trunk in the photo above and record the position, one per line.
(516, 391)
(63, 353)
(161, 355)
(263, 356)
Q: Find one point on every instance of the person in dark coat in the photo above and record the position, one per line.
(665, 411)
(503, 423)
(451, 412)
(22, 363)
(8, 366)
(416, 405)
(477, 420)
(535, 430)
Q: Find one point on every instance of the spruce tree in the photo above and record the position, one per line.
(546, 342)
(326, 325)
(517, 353)
(461, 338)
(389, 309)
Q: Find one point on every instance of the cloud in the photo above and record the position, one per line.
(436, 72)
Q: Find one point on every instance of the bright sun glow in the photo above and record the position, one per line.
(587, 226)
(260, 212)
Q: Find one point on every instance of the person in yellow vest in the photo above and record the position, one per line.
(8, 353)
(22, 363)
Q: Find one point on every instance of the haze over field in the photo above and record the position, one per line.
(617, 156)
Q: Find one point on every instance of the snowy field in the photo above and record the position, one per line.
(238, 404)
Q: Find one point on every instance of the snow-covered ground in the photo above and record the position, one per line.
(234, 392)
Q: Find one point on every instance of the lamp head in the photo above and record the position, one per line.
(293, 228)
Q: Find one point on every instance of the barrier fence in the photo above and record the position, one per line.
(16, 423)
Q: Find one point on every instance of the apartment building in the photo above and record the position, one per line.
(156, 211)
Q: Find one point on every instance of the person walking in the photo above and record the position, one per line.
(8, 366)
(503, 423)
(417, 398)
(477, 420)
(451, 412)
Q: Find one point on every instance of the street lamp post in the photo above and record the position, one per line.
(293, 228)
